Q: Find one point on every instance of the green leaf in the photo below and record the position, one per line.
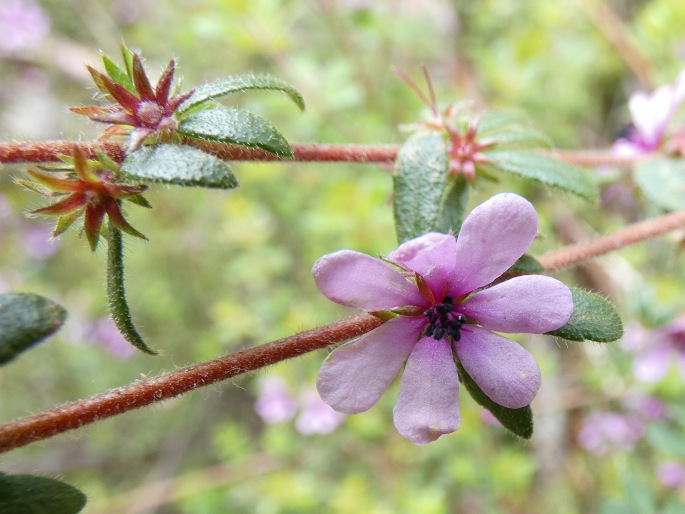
(517, 421)
(127, 57)
(453, 205)
(662, 181)
(26, 319)
(526, 264)
(118, 75)
(31, 494)
(180, 165)
(421, 185)
(539, 168)
(237, 126)
(116, 294)
(593, 319)
(241, 82)
(511, 129)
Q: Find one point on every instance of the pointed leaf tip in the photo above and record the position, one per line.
(594, 319)
(33, 494)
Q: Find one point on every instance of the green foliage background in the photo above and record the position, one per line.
(228, 270)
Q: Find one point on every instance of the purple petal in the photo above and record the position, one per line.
(651, 113)
(534, 304)
(493, 236)
(502, 368)
(651, 365)
(432, 256)
(356, 374)
(358, 280)
(428, 402)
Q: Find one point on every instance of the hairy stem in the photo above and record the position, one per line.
(117, 401)
(144, 392)
(49, 151)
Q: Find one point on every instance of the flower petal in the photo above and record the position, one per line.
(355, 375)
(358, 280)
(651, 113)
(432, 256)
(533, 304)
(652, 365)
(428, 402)
(502, 368)
(493, 236)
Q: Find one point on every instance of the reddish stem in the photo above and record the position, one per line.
(144, 392)
(47, 151)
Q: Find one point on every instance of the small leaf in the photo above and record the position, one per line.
(420, 184)
(26, 319)
(118, 307)
(179, 165)
(510, 128)
(593, 319)
(662, 181)
(517, 421)
(539, 168)
(117, 74)
(32, 494)
(232, 125)
(526, 264)
(127, 57)
(241, 82)
(453, 206)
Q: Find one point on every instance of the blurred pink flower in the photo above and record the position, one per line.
(274, 403)
(37, 241)
(651, 114)
(23, 23)
(315, 416)
(603, 432)
(670, 473)
(104, 332)
(656, 349)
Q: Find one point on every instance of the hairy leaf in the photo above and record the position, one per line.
(179, 165)
(25, 320)
(32, 494)
(237, 126)
(593, 319)
(539, 168)
(241, 82)
(662, 181)
(421, 185)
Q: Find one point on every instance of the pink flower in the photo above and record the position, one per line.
(651, 115)
(666, 344)
(23, 24)
(671, 473)
(274, 403)
(434, 285)
(316, 417)
(607, 431)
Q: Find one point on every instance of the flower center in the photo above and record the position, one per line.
(150, 113)
(442, 321)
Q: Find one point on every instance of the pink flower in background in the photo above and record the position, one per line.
(670, 473)
(105, 333)
(316, 417)
(433, 283)
(603, 432)
(274, 403)
(656, 349)
(651, 114)
(23, 24)
(37, 241)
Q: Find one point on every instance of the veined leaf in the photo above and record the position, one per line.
(32, 494)
(420, 184)
(538, 168)
(237, 126)
(179, 165)
(241, 82)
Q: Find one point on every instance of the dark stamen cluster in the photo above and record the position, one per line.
(441, 322)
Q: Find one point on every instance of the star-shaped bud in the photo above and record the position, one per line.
(134, 102)
(90, 189)
(463, 146)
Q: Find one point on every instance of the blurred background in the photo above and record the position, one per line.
(229, 270)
